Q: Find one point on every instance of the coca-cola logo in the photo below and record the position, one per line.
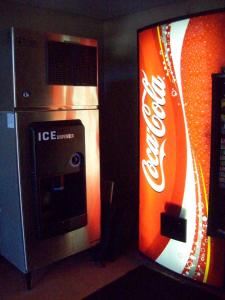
(154, 114)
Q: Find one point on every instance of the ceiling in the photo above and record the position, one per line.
(100, 9)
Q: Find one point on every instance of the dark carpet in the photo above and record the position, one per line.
(144, 283)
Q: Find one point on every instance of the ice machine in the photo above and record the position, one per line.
(49, 147)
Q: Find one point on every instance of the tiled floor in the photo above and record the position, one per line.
(74, 278)
(70, 279)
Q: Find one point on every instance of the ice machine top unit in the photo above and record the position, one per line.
(47, 70)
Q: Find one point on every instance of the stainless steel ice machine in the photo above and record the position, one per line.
(49, 147)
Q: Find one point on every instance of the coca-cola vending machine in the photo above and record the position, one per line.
(176, 61)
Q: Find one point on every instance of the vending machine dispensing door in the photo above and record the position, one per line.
(59, 184)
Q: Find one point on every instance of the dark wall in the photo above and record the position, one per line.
(119, 109)
(23, 16)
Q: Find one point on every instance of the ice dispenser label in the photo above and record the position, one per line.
(52, 135)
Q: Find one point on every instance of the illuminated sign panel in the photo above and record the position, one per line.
(176, 61)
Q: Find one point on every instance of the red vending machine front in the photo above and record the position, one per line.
(176, 60)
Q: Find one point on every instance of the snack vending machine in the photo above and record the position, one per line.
(176, 61)
(217, 167)
(49, 147)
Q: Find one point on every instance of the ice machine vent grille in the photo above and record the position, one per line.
(71, 64)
